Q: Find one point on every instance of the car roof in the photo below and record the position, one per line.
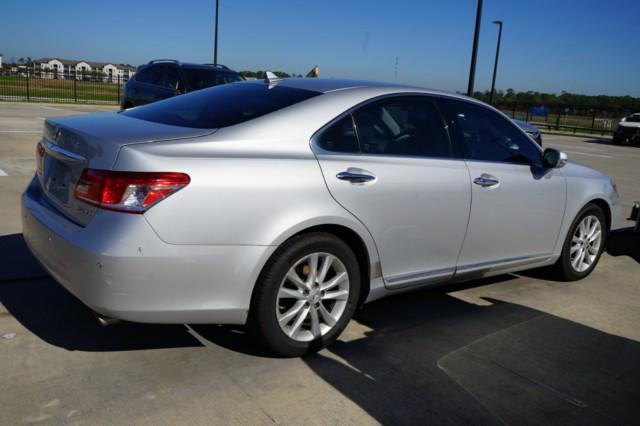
(219, 68)
(206, 66)
(328, 85)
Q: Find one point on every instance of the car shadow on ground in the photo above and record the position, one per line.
(47, 310)
(624, 242)
(419, 357)
(429, 357)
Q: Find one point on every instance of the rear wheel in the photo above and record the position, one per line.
(583, 246)
(306, 295)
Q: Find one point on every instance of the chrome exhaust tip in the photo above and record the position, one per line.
(106, 321)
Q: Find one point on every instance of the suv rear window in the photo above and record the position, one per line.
(221, 106)
(200, 78)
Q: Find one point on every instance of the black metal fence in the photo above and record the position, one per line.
(47, 86)
(568, 118)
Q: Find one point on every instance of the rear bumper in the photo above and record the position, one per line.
(118, 267)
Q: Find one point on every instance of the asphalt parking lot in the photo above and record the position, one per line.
(512, 349)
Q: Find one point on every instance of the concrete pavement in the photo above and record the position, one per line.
(512, 349)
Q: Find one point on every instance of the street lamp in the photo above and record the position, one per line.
(474, 52)
(495, 66)
(215, 39)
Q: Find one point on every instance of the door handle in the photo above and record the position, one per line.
(486, 180)
(355, 177)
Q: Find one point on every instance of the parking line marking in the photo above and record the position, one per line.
(2, 173)
(590, 155)
(51, 108)
(20, 131)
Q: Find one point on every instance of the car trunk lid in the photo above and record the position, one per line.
(72, 144)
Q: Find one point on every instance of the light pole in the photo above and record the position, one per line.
(215, 38)
(474, 53)
(495, 66)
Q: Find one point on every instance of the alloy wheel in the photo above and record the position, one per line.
(585, 244)
(312, 296)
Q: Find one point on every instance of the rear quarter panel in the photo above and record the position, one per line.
(238, 198)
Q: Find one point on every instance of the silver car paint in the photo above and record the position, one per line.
(527, 205)
(196, 256)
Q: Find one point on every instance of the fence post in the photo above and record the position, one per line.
(558, 118)
(28, 94)
(75, 88)
(118, 100)
(513, 114)
(528, 107)
(593, 120)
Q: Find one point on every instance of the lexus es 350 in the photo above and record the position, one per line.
(285, 204)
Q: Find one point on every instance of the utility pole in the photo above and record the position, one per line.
(215, 38)
(495, 65)
(395, 71)
(474, 53)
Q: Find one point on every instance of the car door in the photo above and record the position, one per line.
(390, 164)
(517, 205)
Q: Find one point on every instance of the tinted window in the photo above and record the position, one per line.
(199, 78)
(402, 126)
(169, 76)
(149, 74)
(485, 135)
(221, 106)
(340, 137)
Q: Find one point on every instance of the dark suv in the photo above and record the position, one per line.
(164, 78)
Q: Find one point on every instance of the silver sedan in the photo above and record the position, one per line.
(285, 204)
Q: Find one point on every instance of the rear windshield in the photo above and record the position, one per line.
(221, 106)
(200, 78)
(633, 119)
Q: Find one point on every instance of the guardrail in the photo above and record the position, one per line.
(38, 86)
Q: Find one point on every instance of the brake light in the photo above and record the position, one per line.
(39, 158)
(132, 192)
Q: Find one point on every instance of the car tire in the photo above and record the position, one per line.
(289, 308)
(569, 267)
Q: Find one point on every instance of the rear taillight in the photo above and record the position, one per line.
(39, 158)
(132, 192)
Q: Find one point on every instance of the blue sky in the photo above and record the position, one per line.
(581, 46)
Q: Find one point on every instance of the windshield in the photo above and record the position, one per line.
(221, 106)
(633, 119)
(200, 78)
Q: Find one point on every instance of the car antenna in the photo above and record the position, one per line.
(271, 79)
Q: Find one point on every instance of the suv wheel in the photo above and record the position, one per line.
(306, 295)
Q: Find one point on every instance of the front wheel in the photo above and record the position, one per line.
(583, 246)
(306, 295)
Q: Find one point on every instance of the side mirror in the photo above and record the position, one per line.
(553, 159)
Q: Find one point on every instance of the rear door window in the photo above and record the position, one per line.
(221, 106)
(409, 126)
(340, 136)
